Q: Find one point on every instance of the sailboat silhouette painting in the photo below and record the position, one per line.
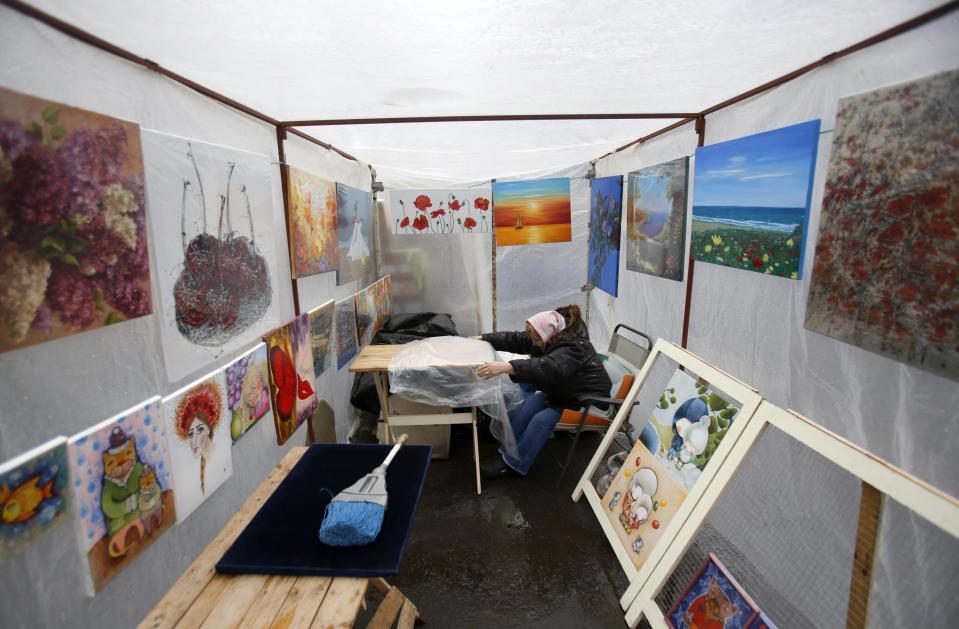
(532, 212)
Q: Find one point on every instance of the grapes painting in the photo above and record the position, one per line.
(73, 242)
(212, 220)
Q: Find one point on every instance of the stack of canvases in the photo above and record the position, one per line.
(75, 187)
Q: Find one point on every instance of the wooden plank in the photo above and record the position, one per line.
(870, 512)
(387, 611)
(301, 604)
(204, 603)
(234, 601)
(268, 602)
(408, 615)
(431, 419)
(181, 596)
(342, 603)
(374, 358)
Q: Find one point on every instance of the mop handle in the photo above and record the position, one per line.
(395, 449)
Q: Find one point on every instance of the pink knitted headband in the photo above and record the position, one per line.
(547, 324)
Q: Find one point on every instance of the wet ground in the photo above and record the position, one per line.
(522, 554)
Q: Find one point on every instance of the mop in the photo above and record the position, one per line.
(355, 515)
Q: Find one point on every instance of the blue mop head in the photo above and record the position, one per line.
(351, 523)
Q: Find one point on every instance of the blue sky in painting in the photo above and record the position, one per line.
(506, 191)
(770, 169)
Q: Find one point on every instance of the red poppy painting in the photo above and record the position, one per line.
(446, 211)
(886, 268)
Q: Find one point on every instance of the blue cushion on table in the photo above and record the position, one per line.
(283, 536)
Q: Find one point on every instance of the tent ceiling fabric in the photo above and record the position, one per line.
(308, 60)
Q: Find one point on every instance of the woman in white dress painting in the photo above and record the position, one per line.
(358, 250)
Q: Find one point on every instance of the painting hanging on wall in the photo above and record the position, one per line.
(532, 212)
(314, 246)
(122, 489)
(605, 216)
(321, 337)
(384, 306)
(656, 219)
(345, 321)
(641, 502)
(215, 257)
(73, 248)
(446, 211)
(354, 210)
(686, 426)
(292, 383)
(248, 391)
(366, 320)
(751, 200)
(197, 420)
(713, 598)
(885, 273)
(34, 495)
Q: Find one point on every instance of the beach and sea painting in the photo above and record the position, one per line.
(605, 218)
(751, 200)
(532, 212)
(656, 219)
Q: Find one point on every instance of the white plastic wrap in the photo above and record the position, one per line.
(442, 371)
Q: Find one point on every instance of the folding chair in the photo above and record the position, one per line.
(626, 356)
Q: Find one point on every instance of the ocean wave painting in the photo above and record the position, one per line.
(751, 200)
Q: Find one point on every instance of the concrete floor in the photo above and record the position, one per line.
(522, 554)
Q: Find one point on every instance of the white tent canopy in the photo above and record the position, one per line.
(302, 60)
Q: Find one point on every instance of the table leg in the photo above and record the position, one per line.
(381, 394)
(476, 459)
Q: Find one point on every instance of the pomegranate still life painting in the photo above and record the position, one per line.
(212, 222)
(441, 211)
(886, 270)
(751, 200)
(248, 391)
(197, 421)
(532, 212)
(73, 243)
(605, 218)
(656, 219)
(292, 383)
(122, 489)
(34, 495)
(314, 247)
(713, 598)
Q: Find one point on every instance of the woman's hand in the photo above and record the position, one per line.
(493, 369)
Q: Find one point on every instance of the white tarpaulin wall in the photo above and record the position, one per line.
(323, 62)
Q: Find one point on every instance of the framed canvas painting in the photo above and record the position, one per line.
(34, 495)
(123, 489)
(248, 391)
(444, 211)
(751, 200)
(762, 622)
(73, 255)
(215, 255)
(292, 384)
(354, 210)
(345, 322)
(321, 337)
(197, 420)
(605, 216)
(532, 212)
(384, 305)
(366, 319)
(713, 598)
(656, 219)
(314, 247)
(884, 275)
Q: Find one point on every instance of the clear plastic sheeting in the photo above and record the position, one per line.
(441, 371)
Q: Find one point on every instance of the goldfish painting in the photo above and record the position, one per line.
(34, 495)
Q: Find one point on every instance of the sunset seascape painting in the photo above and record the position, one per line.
(532, 212)
(751, 200)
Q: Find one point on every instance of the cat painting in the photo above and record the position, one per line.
(712, 600)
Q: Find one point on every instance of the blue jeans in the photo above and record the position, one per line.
(532, 422)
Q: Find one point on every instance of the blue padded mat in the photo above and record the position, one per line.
(283, 536)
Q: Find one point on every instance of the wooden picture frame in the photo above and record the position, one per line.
(692, 513)
(713, 582)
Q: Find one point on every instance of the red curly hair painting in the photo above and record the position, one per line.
(204, 402)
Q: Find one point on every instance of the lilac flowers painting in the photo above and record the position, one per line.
(73, 247)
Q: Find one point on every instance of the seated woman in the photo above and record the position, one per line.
(561, 366)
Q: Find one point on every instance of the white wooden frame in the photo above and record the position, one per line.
(936, 506)
(693, 511)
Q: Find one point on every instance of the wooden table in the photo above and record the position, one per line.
(375, 359)
(201, 597)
